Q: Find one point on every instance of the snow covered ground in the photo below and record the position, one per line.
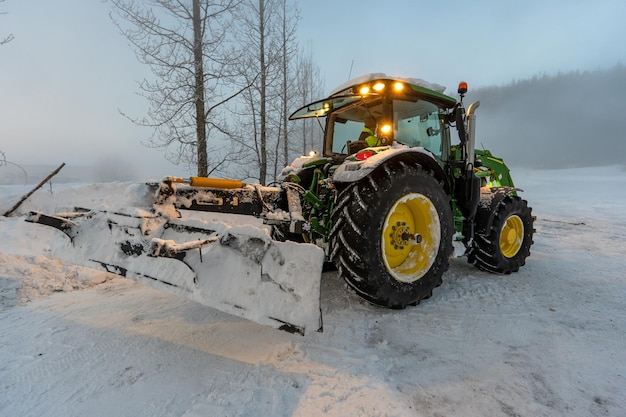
(547, 341)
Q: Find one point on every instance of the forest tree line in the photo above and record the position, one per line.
(565, 120)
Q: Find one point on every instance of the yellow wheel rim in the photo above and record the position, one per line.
(511, 236)
(411, 236)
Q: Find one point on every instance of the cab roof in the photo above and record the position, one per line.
(367, 78)
(349, 92)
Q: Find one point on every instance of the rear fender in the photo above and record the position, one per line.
(353, 170)
(490, 197)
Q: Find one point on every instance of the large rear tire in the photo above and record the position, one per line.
(392, 235)
(504, 235)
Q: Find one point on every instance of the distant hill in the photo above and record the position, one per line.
(573, 119)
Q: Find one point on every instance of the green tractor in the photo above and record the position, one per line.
(389, 197)
(394, 190)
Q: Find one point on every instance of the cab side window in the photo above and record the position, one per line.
(421, 130)
(344, 131)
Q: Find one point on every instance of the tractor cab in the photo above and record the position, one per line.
(376, 110)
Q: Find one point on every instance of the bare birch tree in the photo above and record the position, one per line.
(189, 48)
(8, 38)
(287, 31)
(309, 86)
(256, 34)
(268, 32)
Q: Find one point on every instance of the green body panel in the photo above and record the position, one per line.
(318, 201)
(493, 170)
(459, 220)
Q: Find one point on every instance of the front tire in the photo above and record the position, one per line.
(505, 233)
(392, 235)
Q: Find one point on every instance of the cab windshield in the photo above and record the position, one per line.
(415, 123)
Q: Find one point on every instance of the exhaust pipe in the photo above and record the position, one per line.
(471, 134)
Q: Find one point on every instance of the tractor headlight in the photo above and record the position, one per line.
(386, 131)
(378, 86)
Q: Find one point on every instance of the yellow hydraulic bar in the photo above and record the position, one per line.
(209, 182)
(215, 182)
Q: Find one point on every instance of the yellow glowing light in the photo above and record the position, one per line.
(398, 86)
(379, 86)
(385, 129)
(321, 112)
(364, 89)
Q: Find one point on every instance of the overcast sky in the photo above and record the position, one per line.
(68, 70)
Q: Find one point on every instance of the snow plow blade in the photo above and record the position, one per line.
(236, 269)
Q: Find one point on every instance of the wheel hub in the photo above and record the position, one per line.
(410, 237)
(401, 235)
(511, 236)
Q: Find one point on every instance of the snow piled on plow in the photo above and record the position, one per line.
(547, 341)
(228, 262)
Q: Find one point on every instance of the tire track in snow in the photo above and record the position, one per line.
(55, 352)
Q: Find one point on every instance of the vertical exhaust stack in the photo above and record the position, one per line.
(471, 134)
(468, 139)
(469, 183)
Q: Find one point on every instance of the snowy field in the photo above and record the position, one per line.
(547, 341)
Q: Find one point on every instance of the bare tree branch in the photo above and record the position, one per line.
(270, 66)
(189, 48)
(8, 38)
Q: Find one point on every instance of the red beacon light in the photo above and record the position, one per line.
(364, 154)
(462, 89)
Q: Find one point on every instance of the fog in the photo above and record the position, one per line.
(565, 120)
(561, 121)
(65, 76)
